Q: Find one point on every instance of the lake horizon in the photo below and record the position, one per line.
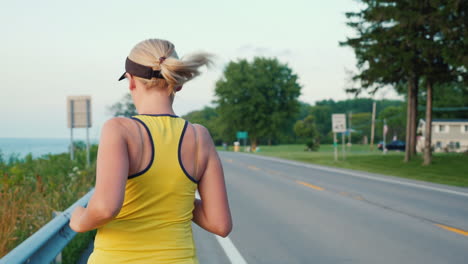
(21, 146)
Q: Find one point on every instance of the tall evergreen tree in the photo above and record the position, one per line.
(386, 55)
(452, 22)
(408, 41)
(438, 17)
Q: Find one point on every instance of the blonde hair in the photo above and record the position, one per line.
(161, 55)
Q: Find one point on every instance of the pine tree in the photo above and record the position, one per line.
(409, 41)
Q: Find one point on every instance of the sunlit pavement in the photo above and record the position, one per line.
(290, 212)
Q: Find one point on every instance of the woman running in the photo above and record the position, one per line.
(149, 167)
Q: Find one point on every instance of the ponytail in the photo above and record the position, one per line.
(161, 55)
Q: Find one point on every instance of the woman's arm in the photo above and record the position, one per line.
(111, 177)
(212, 212)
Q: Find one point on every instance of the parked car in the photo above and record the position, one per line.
(379, 145)
(394, 145)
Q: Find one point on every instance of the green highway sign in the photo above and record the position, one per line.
(242, 134)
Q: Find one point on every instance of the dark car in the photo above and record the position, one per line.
(379, 145)
(394, 145)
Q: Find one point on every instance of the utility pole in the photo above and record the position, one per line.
(373, 127)
(349, 125)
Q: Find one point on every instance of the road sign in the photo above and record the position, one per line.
(79, 115)
(242, 134)
(338, 123)
(79, 111)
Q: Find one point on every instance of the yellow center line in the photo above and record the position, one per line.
(310, 185)
(273, 172)
(358, 197)
(252, 167)
(456, 230)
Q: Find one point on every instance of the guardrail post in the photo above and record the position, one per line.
(58, 258)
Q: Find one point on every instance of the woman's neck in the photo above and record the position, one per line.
(156, 102)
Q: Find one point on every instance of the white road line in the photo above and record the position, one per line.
(231, 251)
(359, 175)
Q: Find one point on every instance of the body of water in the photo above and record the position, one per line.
(36, 146)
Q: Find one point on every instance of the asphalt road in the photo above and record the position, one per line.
(289, 212)
(292, 212)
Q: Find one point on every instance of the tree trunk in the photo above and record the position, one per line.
(414, 116)
(409, 110)
(428, 129)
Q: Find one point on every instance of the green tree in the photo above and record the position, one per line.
(440, 64)
(307, 130)
(304, 110)
(259, 97)
(361, 125)
(322, 115)
(385, 53)
(451, 20)
(209, 118)
(450, 101)
(125, 107)
(323, 110)
(435, 67)
(405, 41)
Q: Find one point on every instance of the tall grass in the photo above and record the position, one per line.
(32, 189)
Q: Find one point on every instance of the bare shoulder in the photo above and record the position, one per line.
(204, 133)
(116, 125)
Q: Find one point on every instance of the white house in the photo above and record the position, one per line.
(448, 135)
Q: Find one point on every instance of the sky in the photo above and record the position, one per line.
(54, 49)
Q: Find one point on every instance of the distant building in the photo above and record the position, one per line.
(448, 135)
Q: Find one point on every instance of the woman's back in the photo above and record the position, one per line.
(149, 167)
(154, 224)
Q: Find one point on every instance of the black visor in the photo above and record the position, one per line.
(139, 70)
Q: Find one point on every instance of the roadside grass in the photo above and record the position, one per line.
(447, 168)
(32, 188)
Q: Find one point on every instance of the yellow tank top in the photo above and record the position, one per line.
(154, 224)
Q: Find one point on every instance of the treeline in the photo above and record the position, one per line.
(260, 96)
(450, 102)
(359, 112)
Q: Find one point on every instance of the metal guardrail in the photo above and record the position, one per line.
(44, 245)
